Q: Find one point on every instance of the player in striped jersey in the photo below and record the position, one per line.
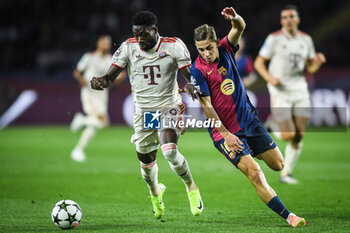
(241, 135)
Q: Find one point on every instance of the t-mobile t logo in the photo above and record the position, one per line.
(152, 74)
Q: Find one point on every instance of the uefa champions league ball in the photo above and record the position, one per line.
(66, 214)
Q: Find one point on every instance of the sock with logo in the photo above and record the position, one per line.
(277, 205)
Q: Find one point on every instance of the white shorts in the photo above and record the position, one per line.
(285, 105)
(94, 102)
(147, 140)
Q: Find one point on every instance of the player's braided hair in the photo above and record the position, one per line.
(204, 32)
(144, 18)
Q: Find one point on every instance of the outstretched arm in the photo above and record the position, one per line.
(189, 87)
(78, 75)
(231, 140)
(237, 22)
(120, 78)
(260, 67)
(315, 64)
(98, 83)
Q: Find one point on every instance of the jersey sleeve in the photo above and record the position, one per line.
(226, 44)
(120, 57)
(267, 48)
(182, 55)
(199, 81)
(83, 62)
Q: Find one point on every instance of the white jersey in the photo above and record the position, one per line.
(288, 56)
(94, 64)
(153, 73)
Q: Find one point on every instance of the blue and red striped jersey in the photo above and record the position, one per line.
(221, 81)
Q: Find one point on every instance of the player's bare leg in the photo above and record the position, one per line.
(92, 123)
(273, 158)
(294, 131)
(255, 175)
(178, 163)
(287, 129)
(149, 172)
(257, 178)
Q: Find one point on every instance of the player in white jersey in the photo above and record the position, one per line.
(94, 103)
(152, 62)
(289, 51)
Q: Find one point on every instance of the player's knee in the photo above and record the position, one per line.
(104, 122)
(298, 136)
(256, 176)
(288, 135)
(169, 151)
(147, 158)
(278, 165)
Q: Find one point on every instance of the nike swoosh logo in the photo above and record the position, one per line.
(209, 73)
(271, 143)
(200, 204)
(282, 211)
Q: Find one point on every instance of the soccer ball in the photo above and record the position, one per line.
(66, 214)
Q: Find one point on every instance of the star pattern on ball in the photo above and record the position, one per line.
(76, 205)
(71, 218)
(64, 205)
(56, 219)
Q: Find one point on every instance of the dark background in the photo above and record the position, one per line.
(41, 42)
(50, 36)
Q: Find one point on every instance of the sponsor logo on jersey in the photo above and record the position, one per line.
(227, 87)
(222, 71)
(162, 54)
(152, 120)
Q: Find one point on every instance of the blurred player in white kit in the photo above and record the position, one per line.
(289, 51)
(94, 103)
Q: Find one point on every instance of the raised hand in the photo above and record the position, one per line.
(229, 13)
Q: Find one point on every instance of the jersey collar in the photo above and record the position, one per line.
(152, 50)
(288, 35)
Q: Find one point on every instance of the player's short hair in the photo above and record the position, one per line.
(204, 32)
(290, 7)
(144, 18)
(108, 37)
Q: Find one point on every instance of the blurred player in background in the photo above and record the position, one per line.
(289, 50)
(241, 135)
(246, 70)
(94, 103)
(152, 62)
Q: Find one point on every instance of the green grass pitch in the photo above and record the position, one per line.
(36, 171)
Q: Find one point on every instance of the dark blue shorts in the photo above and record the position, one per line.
(255, 138)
